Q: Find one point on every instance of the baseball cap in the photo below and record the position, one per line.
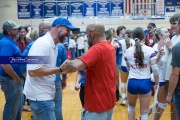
(63, 22)
(152, 24)
(9, 25)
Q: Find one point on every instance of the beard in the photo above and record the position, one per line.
(16, 36)
(90, 42)
(61, 39)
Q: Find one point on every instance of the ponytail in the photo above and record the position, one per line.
(127, 38)
(139, 53)
(138, 36)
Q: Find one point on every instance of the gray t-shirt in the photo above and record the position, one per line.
(175, 62)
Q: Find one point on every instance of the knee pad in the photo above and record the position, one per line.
(162, 105)
(144, 116)
(131, 108)
(123, 85)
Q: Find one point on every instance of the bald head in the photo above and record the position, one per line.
(97, 28)
(44, 27)
(95, 33)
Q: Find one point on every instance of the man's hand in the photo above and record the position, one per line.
(169, 98)
(161, 49)
(67, 68)
(168, 43)
(17, 80)
(77, 86)
(64, 84)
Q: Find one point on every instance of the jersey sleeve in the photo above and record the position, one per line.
(118, 43)
(152, 54)
(155, 48)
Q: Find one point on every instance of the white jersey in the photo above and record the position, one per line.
(72, 43)
(174, 41)
(122, 44)
(80, 42)
(136, 71)
(161, 64)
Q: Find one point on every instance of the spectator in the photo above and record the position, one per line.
(149, 36)
(11, 78)
(43, 75)
(100, 97)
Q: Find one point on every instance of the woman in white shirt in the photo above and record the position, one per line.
(161, 35)
(140, 58)
(124, 44)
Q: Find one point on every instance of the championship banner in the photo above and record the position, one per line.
(160, 7)
(170, 9)
(37, 10)
(177, 2)
(50, 0)
(89, 8)
(76, 9)
(23, 10)
(117, 8)
(63, 9)
(37, 0)
(103, 8)
(49, 9)
(24, 0)
(172, 2)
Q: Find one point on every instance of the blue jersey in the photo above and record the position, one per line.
(83, 77)
(119, 56)
(60, 59)
(10, 48)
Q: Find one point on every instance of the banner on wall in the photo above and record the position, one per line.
(89, 8)
(49, 9)
(117, 8)
(160, 7)
(37, 10)
(37, 0)
(76, 9)
(170, 9)
(23, 10)
(172, 2)
(103, 8)
(23, 0)
(63, 9)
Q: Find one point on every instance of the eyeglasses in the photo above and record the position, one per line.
(149, 27)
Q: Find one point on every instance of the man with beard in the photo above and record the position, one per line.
(40, 80)
(11, 79)
(100, 65)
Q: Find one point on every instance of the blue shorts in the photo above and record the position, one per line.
(139, 86)
(124, 68)
(160, 83)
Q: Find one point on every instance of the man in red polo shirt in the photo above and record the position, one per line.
(99, 63)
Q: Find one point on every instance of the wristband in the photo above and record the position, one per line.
(60, 69)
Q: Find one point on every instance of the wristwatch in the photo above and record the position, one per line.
(60, 70)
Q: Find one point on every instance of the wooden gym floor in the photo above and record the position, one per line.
(72, 106)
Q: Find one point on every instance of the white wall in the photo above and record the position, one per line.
(8, 10)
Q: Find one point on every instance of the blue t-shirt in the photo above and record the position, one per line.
(119, 56)
(60, 59)
(10, 48)
(83, 78)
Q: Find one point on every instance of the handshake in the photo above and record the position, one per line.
(67, 67)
